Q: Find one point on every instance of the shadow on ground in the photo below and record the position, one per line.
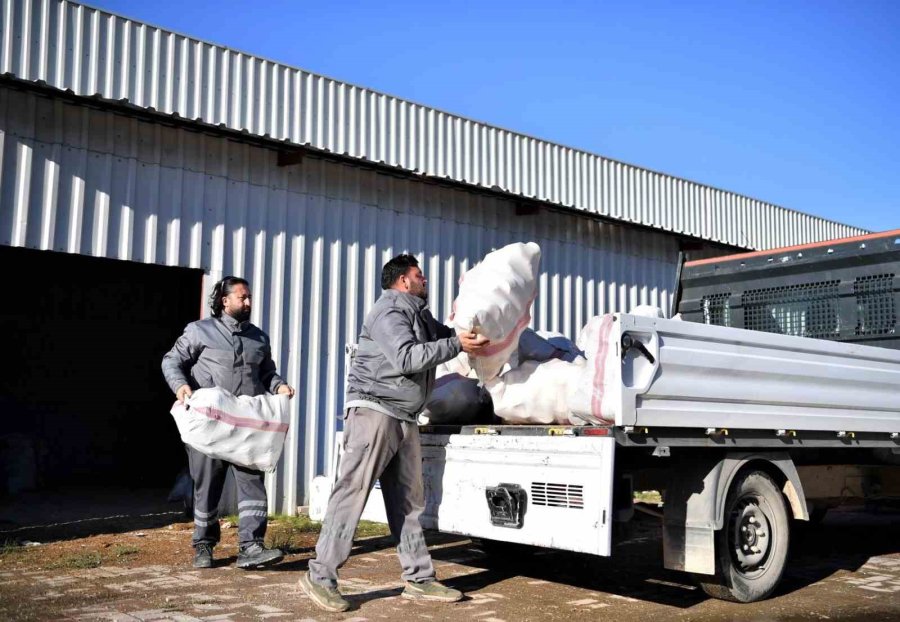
(51, 515)
(846, 540)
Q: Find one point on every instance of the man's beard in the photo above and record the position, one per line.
(241, 315)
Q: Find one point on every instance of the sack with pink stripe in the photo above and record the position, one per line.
(589, 390)
(596, 390)
(534, 393)
(495, 301)
(243, 430)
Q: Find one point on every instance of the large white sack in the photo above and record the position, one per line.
(590, 387)
(459, 365)
(495, 301)
(589, 393)
(533, 393)
(247, 431)
(455, 400)
(588, 338)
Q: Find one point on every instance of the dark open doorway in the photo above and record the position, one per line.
(82, 398)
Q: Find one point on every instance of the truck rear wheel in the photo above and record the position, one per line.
(752, 546)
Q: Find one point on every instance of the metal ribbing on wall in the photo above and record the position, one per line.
(94, 53)
(311, 238)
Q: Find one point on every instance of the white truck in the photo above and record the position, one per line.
(743, 432)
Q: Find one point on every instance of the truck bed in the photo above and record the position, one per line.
(690, 375)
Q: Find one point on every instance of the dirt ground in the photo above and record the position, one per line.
(847, 568)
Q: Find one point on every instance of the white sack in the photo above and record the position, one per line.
(459, 365)
(495, 301)
(533, 393)
(247, 431)
(589, 388)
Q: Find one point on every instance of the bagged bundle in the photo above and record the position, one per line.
(247, 431)
(495, 301)
(459, 365)
(533, 393)
(545, 345)
(456, 400)
(589, 394)
(533, 347)
(589, 387)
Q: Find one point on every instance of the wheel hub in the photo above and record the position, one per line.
(752, 536)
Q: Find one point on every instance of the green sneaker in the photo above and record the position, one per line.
(327, 598)
(431, 590)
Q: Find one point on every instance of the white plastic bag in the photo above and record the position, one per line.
(247, 431)
(459, 365)
(533, 393)
(589, 389)
(495, 301)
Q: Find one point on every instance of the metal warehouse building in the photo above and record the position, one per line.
(138, 166)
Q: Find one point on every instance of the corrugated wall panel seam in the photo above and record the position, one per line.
(155, 71)
(170, 196)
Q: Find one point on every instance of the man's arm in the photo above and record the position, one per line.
(393, 332)
(267, 374)
(471, 343)
(178, 360)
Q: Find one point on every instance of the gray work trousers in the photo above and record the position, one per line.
(376, 446)
(209, 480)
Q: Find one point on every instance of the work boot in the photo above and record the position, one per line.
(327, 598)
(431, 590)
(203, 555)
(255, 555)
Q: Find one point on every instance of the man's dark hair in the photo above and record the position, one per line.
(395, 268)
(222, 289)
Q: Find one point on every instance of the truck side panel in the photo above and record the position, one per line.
(717, 377)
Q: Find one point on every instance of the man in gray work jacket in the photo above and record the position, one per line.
(391, 377)
(229, 352)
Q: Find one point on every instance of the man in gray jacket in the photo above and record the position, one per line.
(229, 352)
(389, 382)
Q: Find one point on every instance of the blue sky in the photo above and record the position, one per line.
(795, 103)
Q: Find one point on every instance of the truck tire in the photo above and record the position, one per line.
(752, 546)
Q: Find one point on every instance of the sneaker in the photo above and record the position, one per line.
(203, 555)
(431, 590)
(255, 555)
(327, 598)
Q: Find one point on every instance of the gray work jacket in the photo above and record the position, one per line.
(222, 352)
(400, 345)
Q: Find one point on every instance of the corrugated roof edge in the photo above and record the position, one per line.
(463, 117)
(126, 107)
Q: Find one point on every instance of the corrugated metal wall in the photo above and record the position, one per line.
(311, 238)
(91, 52)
